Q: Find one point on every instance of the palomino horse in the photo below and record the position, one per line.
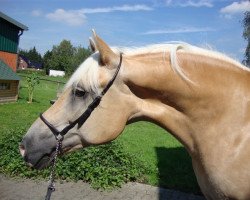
(201, 97)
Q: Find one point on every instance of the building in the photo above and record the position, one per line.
(9, 82)
(24, 63)
(10, 32)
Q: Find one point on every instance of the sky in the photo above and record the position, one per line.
(215, 24)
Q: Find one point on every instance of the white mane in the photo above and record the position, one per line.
(173, 47)
(86, 75)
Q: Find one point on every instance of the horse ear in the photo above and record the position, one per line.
(107, 56)
(92, 45)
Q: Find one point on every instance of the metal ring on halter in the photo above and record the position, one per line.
(59, 137)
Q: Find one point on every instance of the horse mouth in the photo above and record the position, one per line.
(45, 161)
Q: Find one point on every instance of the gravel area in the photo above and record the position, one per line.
(26, 189)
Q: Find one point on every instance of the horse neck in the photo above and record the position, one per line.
(159, 92)
(168, 100)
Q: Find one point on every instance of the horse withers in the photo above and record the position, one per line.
(201, 97)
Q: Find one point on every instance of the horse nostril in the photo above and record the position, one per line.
(22, 150)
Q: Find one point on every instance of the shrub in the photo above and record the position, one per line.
(104, 167)
(32, 80)
(31, 71)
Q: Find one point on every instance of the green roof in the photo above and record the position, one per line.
(6, 72)
(13, 21)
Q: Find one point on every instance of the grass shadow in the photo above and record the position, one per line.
(175, 170)
(36, 101)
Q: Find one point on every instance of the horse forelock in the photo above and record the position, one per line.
(86, 75)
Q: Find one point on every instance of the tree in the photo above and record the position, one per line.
(32, 81)
(34, 56)
(65, 57)
(46, 61)
(23, 52)
(80, 55)
(62, 57)
(246, 35)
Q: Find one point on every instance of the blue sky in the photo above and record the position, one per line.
(213, 23)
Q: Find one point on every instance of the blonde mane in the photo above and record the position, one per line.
(172, 48)
(86, 76)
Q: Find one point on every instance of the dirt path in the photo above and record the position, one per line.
(26, 189)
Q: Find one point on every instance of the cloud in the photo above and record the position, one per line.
(235, 8)
(190, 3)
(70, 17)
(36, 13)
(180, 30)
(201, 3)
(124, 8)
(78, 17)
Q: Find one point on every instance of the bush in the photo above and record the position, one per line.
(32, 80)
(104, 167)
(31, 71)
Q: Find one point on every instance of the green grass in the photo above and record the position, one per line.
(23, 113)
(51, 78)
(104, 167)
(166, 161)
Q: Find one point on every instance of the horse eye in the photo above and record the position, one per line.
(79, 93)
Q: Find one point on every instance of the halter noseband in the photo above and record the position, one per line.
(80, 120)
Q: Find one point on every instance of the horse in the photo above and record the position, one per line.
(199, 96)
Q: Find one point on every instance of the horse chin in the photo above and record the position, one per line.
(45, 161)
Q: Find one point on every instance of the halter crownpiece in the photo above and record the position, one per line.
(59, 135)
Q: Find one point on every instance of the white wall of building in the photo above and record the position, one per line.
(56, 73)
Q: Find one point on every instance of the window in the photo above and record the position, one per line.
(4, 86)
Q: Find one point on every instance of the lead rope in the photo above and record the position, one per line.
(51, 186)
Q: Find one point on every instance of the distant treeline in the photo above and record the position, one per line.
(63, 57)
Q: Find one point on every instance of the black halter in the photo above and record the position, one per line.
(80, 120)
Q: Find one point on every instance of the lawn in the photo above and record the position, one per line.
(167, 162)
(22, 113)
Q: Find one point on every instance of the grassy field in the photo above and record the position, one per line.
(23, 113)
(167, 162)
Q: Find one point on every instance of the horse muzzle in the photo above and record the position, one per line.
(36, 158)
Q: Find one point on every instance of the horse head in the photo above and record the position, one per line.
(105, 123)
